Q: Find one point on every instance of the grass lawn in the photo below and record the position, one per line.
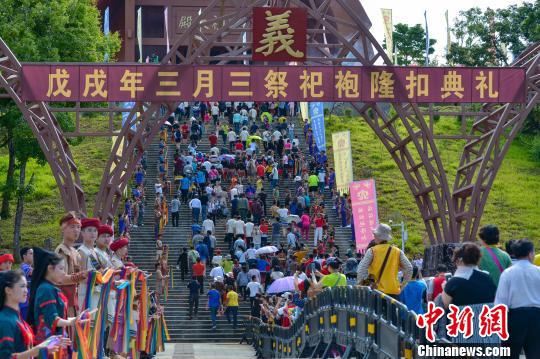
(513, 203)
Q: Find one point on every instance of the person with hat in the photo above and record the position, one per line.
(48, 307)
(16, 336)
(218, 258)
(6, 262)
(120, 250)
(105, 233)
(88, 259)
(71, 229)
(383, 261)
(493, 260)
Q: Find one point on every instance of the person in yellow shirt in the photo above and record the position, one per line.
(537, 260)
(334, 279)
(372, 263)
(231, 302)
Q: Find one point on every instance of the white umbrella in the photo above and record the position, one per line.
(292, 218)
(266, 250)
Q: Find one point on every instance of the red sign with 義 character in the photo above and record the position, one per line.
(279, 34)
(120, 82)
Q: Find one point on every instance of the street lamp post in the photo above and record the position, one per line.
(404, 233)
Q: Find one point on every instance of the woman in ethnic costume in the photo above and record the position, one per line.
(119, 248)
(48, 307)
(16, 336)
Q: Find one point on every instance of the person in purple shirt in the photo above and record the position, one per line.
(203, 251)
(331, 178)
(27, 256)
(139, 177)
(214, 304)
(322, 158)
(306, 128)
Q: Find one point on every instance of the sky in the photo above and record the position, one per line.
(411, 12)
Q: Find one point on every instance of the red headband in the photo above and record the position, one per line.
(6, 258)
(72, 221)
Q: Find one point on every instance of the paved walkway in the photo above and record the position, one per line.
(207, 351)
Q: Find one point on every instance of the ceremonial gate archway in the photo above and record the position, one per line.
(337, 34)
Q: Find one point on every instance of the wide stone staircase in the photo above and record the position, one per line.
(142, 251)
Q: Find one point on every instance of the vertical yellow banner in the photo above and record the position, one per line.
(341, 144)
(304, 110)
(388, 31)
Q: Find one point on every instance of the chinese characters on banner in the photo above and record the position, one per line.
(341, 145)
(364, 211)
(279, 34)
(107, 83)
(316, 114)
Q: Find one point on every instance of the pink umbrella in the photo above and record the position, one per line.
(285, 284)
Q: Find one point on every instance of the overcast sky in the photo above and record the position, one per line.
(411, 12)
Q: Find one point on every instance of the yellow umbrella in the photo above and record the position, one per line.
(253, 138)
(267, 115)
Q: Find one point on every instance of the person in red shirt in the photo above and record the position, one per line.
(321, 248)
(308, 267)
(264, 232)
(260, 170)
(198, 271)
(239, 146)
(319, 224)
(439, 279)
(213, 139)
(185, 132)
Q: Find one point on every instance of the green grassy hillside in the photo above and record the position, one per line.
(513, 204)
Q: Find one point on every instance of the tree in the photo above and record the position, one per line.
(8, 120)
(26, 147)
(44, 30)
(410, 44)
(483, 38)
